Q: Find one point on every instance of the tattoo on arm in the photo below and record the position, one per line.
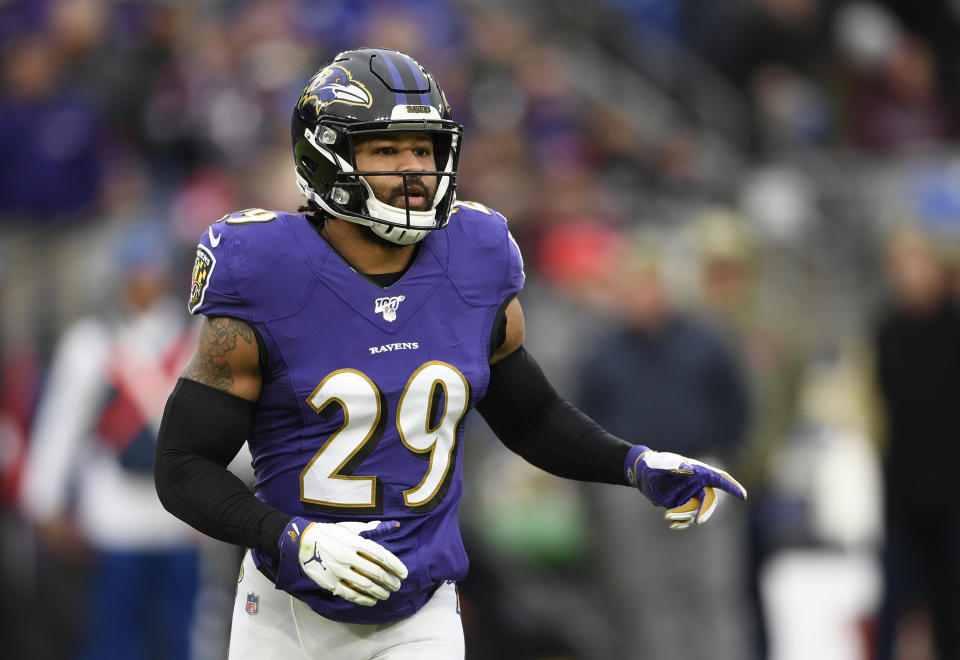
(211, 364)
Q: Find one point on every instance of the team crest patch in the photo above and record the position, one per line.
(253, 603)
(334, 84)
(202, 270)
(388, 307)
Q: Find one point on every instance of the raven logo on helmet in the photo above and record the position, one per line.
(334, 84)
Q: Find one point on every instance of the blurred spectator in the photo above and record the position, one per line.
(88, 485)
(939, 23)
(50, 168)
(18, 389)
(732, 298)
(898, 105)
(792, 110)
(50, 184)
(661, 377)
(918, 377)
(775, 52)
(782, 32)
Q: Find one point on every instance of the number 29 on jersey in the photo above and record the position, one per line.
(429, 411)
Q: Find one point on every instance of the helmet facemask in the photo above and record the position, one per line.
(324, 151)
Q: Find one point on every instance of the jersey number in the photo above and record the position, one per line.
(431, 406)
(247, 216)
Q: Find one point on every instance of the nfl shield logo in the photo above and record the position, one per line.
(253, 603)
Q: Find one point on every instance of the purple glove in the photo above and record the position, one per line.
(381, 530)
(683, 485)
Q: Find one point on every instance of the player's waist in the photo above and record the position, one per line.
(432, 554)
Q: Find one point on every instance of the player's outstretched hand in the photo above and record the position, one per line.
(682, 485)
(344, 559)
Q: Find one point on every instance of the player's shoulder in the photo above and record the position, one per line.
(478, 222)
(241, 256)
(249, 227)
(483, 260)
(256, 229)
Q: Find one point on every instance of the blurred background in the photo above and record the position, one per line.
(740, 223)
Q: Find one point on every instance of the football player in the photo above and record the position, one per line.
(346, 344)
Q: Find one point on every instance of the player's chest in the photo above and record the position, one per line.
(385, 341)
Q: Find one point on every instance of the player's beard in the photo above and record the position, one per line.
(397, 199)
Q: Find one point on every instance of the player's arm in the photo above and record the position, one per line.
(205, 423)
(531, 419)
(227, 358)
(207, 419)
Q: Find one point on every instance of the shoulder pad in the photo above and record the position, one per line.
(241, 262)
(484, 261)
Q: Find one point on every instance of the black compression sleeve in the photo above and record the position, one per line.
(528, 416)
(202, 430)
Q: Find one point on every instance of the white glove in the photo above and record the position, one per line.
(339, 559)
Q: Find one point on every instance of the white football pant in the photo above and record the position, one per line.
(277, 625)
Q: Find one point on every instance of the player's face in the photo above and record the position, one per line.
(404, 152)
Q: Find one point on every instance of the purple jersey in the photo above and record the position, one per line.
(365, 388)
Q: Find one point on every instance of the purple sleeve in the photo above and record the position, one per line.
(484, 261)
(213, 291)
(241, 258)
(513, 281)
